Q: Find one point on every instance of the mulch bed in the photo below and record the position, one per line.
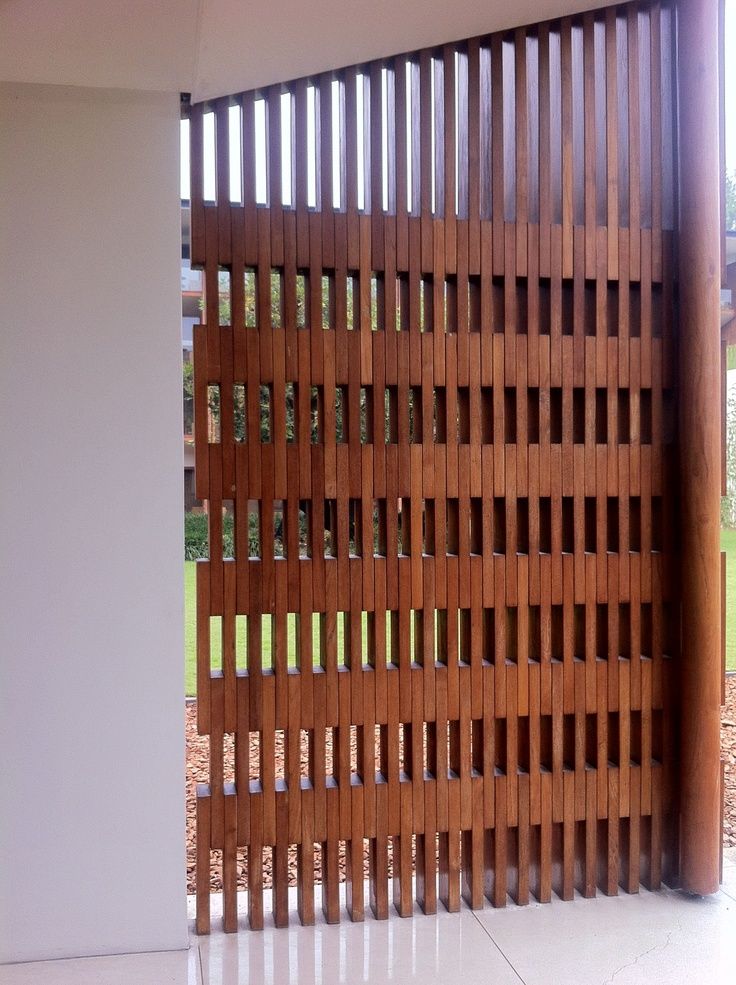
(198, 768)
(728, 751)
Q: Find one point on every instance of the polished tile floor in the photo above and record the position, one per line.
(649, 938)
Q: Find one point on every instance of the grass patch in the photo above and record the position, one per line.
(190, 628)
(728, 544)
(190, 635)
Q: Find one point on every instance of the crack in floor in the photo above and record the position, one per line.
(640, 957)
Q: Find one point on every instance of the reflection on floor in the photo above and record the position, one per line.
(649, 938)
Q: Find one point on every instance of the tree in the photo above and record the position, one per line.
(239, 395)
(188, 381)
(730, 199)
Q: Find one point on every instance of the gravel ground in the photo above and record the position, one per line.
(198, 767)
(728, 751)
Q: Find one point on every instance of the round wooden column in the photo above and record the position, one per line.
(700, 424)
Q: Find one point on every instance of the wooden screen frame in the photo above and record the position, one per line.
(527, 746)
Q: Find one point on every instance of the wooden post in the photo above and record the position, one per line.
(699, 444)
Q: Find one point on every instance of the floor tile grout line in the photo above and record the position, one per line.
(473, 914)
(201, 965)
(731, 893)
(495, 944)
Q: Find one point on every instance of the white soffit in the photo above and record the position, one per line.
(136, 44)
(216, 47)
(244, 45)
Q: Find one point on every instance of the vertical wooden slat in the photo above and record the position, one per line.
(545, 190)
(222, 180)
(612, 141)
(634, 138)
(497, 151)
(522, 151)
(591, 177)
(196, 162)
(567, 145)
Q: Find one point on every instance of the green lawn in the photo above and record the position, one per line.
(728, 544)
(190, 645)
(190, 628)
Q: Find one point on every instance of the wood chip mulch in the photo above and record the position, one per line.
(728, 753)
(198, 769)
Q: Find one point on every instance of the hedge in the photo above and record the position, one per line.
(195, 536)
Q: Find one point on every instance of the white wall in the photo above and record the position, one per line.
(92, 856)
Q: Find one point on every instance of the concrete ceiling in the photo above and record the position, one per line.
(215, 47)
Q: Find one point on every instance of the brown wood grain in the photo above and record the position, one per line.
(453, 490)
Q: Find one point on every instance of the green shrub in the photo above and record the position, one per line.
(195, 536)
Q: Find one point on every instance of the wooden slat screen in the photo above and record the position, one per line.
(434, 383)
